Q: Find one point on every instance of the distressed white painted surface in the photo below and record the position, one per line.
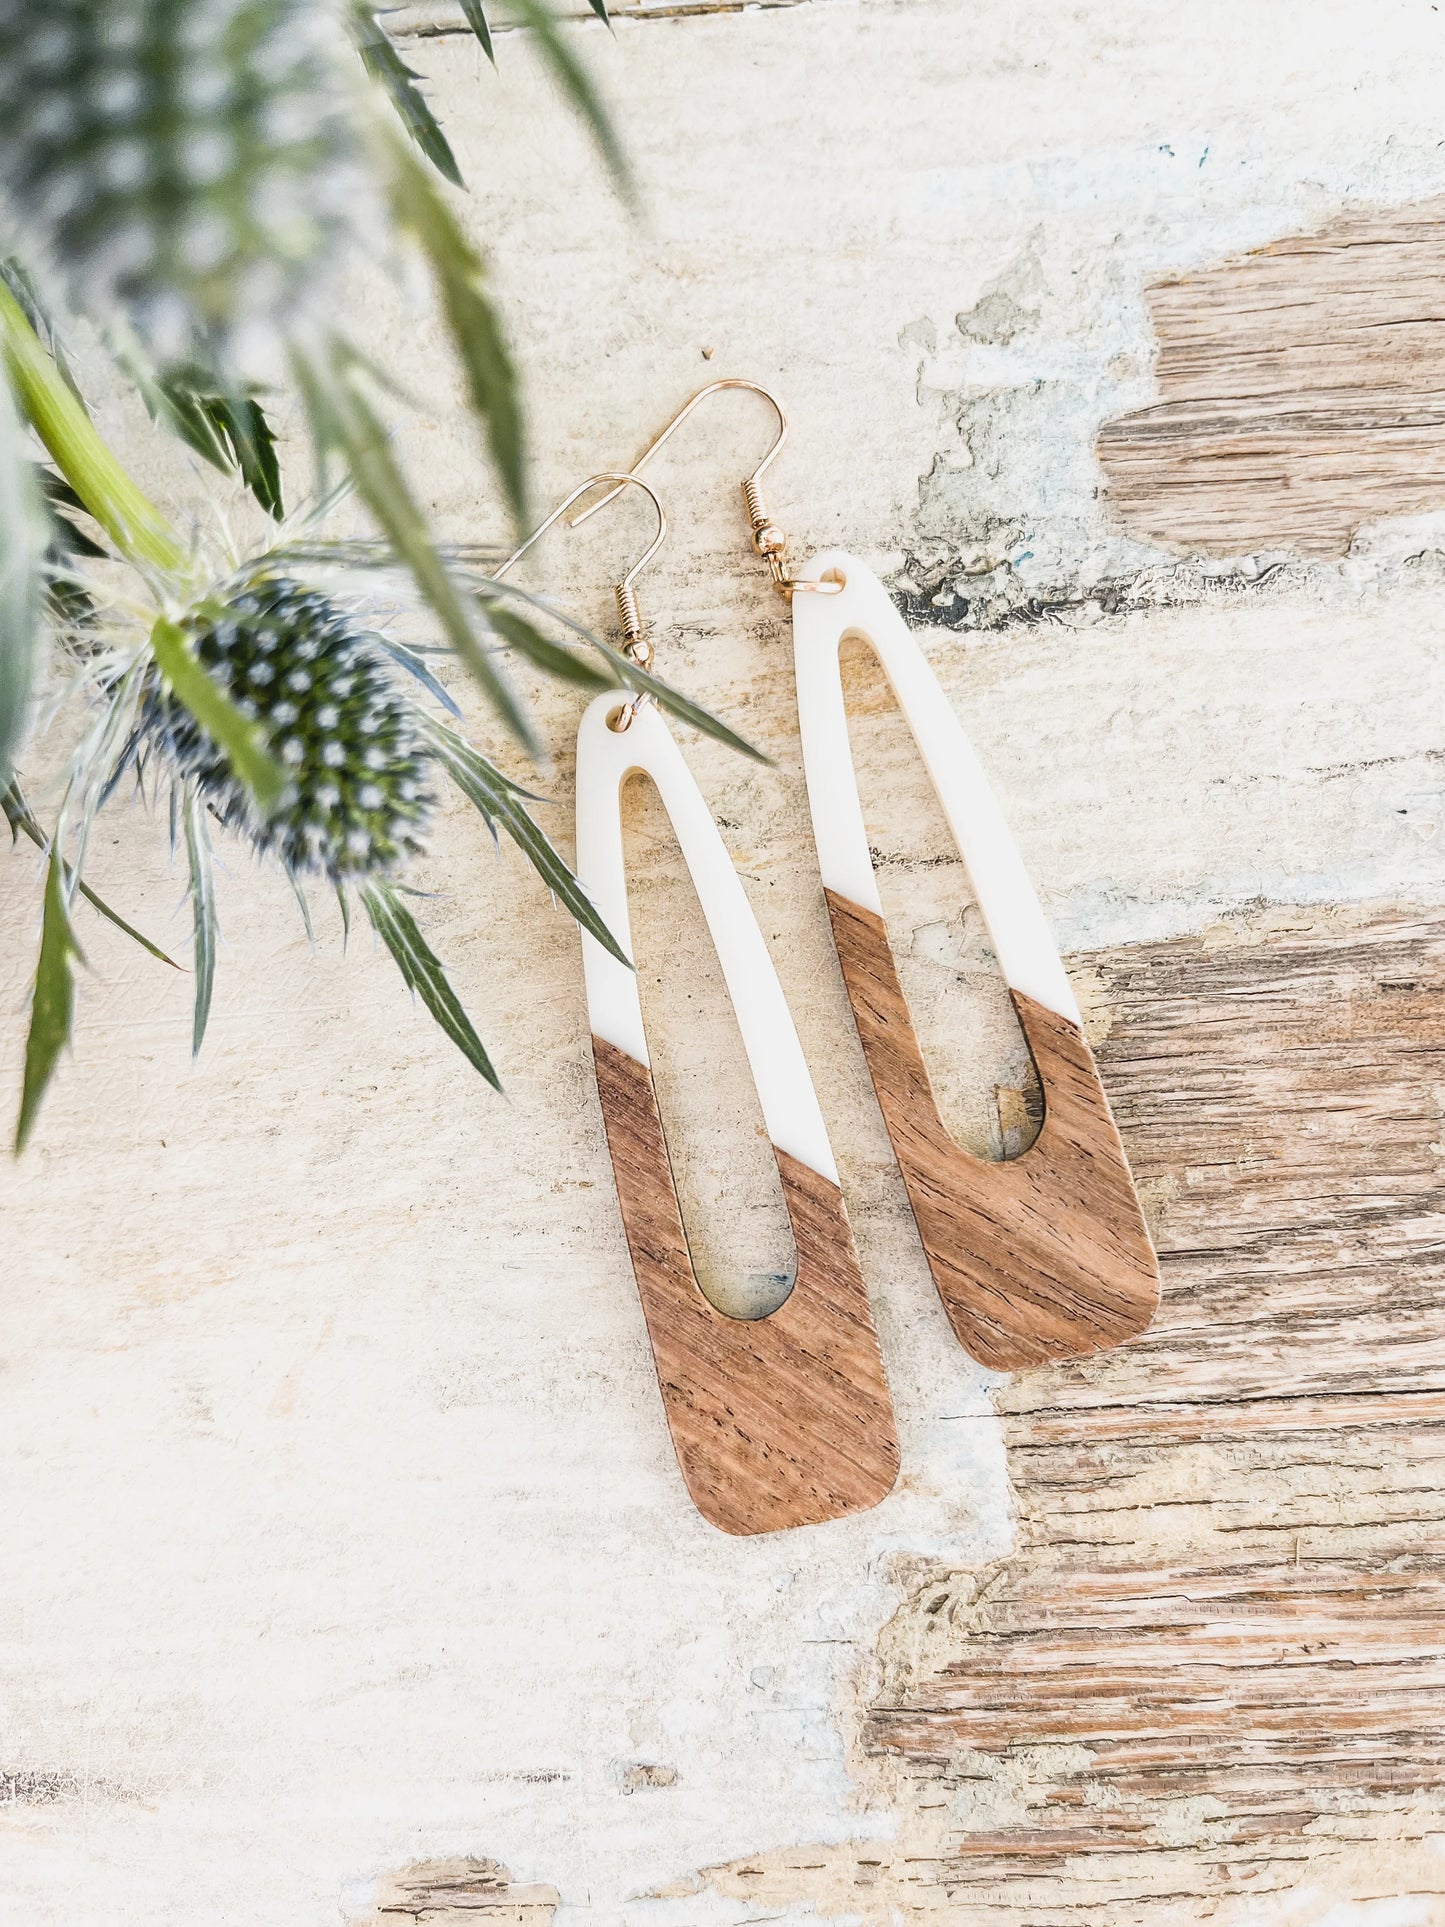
(341, 1525)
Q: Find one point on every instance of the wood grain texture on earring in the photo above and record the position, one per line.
(1046, 1256)
(777, 1421)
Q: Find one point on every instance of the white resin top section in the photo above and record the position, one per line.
(605, 758)
(1021, 938)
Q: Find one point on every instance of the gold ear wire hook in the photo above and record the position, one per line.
(769, 540)
(635, 643)
(713, 388)
(633, 638)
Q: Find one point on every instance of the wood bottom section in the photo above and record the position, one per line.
(1046, 1256)
(779, 1421)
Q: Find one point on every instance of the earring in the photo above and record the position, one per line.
(777, 1421)
(1046, 1256)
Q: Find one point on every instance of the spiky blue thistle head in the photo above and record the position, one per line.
(326, 700)
(190, 163)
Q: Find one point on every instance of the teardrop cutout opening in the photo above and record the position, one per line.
(984, 1081)
(739, 1235)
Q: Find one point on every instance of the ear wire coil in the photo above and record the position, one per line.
(627, 611)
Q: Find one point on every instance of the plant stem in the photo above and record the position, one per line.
(129, 518)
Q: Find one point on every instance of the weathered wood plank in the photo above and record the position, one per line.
(1281, 1101)
(444, 1893)
(1230, 1591)
(1215, 1667)
(1302, 391)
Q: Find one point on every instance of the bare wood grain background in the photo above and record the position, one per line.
(1302, 392)
(1232, 1594)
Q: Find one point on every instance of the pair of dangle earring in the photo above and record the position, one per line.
(1040, 1258)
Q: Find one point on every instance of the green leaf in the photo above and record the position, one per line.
(422, 972)
(386, 66)
(500, 801)
(177, 404)
(65, 536)
(59, 493)
(576, 83)
(68, 603)
(18, 279)
(52, 1007)
(236, 735)
(20, 819)
(251, 436)
(412, 663)
(627, 671)
(129, 518)
(343, 418)
(204, 924)
(683, 707)
(22, 542)
(303, 906)
(240, 431)
(461, 278)
(529, 641)
(477, 21)
(231, 432)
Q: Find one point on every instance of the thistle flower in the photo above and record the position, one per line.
(188, 172)
(326, 700)
(190, 163)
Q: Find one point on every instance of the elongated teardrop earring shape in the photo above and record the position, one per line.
(776, 1421)
(1046, 1256)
